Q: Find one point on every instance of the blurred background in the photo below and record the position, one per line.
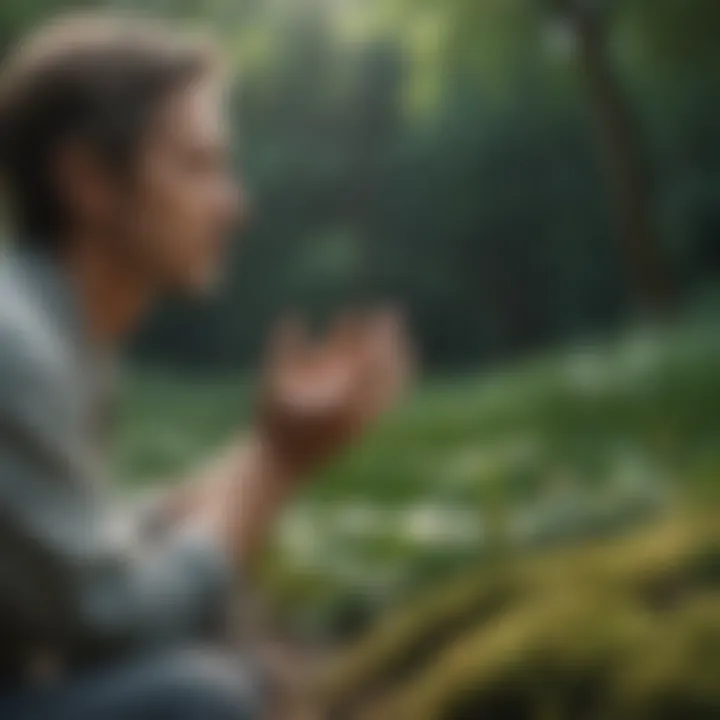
(534, 534)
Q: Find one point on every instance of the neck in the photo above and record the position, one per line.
(112, 293)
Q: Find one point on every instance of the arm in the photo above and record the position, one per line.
(239, 491)
(85, 578)
(316, 398)
(108, 585)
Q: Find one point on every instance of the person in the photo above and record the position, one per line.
(114, 166)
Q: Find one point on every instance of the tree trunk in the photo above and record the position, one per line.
(628, 174)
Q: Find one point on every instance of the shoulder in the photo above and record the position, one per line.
(33, 358)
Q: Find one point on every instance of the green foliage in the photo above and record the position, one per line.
(572, 444)
(627, 629)
(441, 153)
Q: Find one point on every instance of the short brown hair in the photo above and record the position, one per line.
(98, 78)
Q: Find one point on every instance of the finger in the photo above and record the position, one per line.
(382, 336)
(348, 333)
(290, 341)
(389, 364)
(385, 327)
(407, 358)
(373, 381)
(343, 332)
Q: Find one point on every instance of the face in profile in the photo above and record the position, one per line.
(182, 203)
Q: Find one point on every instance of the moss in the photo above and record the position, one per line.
(623, 630)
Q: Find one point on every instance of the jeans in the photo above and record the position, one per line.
(192, 684)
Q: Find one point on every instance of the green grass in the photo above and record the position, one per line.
(579, 441)
(467, 527)
(170, 422)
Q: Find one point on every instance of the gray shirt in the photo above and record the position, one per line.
(76, 570)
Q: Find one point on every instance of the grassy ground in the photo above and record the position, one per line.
(572, 443)
(470, 521)
(624, 629)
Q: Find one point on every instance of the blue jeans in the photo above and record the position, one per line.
(194, 684)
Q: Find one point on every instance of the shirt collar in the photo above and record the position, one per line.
(50, 286)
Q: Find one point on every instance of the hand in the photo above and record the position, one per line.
(316, 398)
(319, 396)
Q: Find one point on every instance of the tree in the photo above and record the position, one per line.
(621, 142)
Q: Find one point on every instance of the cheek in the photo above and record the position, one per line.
(180, 215)
(201, 220)
(187, 216)
(196, 231)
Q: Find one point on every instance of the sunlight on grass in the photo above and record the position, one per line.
(570, 444)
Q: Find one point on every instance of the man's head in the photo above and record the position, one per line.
(111, 132)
